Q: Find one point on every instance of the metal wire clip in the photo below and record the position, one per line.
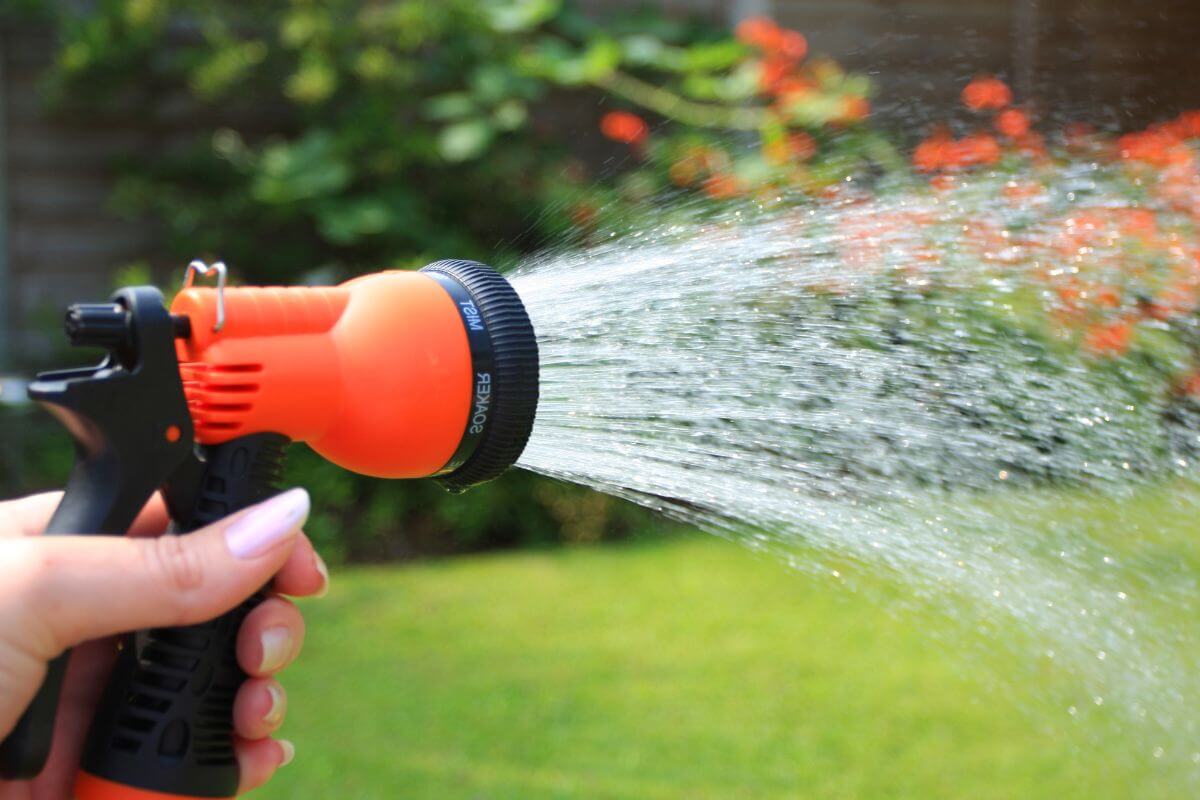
(222, 272)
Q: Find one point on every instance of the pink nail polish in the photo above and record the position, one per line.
(268, 524)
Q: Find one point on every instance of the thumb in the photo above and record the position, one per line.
(86, 587)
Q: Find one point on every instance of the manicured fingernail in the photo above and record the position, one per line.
(323, 571)
(268, 525)
(274, 715)
(288, 752)
(277, 647)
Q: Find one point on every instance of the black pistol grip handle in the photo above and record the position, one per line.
(99, 499)
(165, 722)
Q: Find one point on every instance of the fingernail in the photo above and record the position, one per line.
(274, 715)
(268, 525)
(323, 571)
(276, 649)
(288, 752)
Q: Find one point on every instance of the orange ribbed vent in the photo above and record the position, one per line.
(220, 397)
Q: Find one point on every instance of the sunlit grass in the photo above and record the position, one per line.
(675, 668)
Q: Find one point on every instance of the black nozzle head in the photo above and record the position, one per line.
(504, 356)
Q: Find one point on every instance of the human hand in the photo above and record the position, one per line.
(58, 592)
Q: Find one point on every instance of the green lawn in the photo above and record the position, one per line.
(667, 668)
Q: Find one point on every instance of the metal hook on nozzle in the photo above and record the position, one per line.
(222, 272)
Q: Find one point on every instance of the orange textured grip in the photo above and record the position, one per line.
(89, 787)
(375, 374)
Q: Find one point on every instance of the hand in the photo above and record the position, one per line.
(58, 592)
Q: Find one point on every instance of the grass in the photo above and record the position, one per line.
(669, 668)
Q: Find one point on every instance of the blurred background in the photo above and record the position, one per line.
(309, 142)
(306, 142)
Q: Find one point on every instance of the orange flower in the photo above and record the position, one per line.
(583, 214)
(684, 172)
(775, 74)
(943, 183)
(802, 146)
(768, 37)
(1190, 384)
(933, 153)
(759, 32)
(792, 45)
(979, 148)
(1188, 124)
(776, 151)
(986, 93)
(798, 145)
(1158, 146)
(722, 186)
(622, 126)
(1013, 123)
(1107, 297)
(1108, 340)
(854, 109)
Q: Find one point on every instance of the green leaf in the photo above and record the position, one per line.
(225, 66)
(313, 82)
(455, 105)
(521, 15)
(463, 141)
(346, 222)
(601, 58)
(641, 49)
(307, 168)
(714, 56)
(510, 115)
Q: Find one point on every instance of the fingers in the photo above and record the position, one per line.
(84, 587)
(270, 638)
(304, 574)
(259, 709)
(258, 760)
(29, 516)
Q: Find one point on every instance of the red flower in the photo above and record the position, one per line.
(934, 152)
(1108, 340)
(1013, 123)
(773, 40)
(775, 74)
(1188, 124)
(854, 109)
(802, 146)
(1159, 146)
(622, 126)
(792, 45)
(759, 32)
(986, 93)
(722, 186)
(979, 148)
(1190, 385)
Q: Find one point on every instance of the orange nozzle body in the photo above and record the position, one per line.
(376, 374)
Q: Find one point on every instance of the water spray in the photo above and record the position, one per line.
(395, 375)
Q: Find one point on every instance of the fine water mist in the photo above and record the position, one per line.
(850, 384)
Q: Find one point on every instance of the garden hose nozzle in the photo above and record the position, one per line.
(396, 375)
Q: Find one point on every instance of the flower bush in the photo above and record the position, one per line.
(342, 137)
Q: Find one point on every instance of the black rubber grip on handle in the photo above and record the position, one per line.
(102, 498)
(165, 722)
